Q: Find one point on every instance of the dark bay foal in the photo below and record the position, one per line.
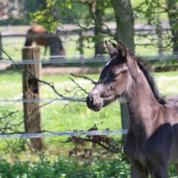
(152, 140)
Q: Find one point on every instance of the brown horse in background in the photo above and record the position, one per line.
(37, 34)
(152, 139)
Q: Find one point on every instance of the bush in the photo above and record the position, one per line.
(68, 168)
(63, 168)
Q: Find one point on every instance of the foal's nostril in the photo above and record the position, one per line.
(94, 102)
(89, 99)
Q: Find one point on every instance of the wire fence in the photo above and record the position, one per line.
(70, 30)
(65, 133)
(82, 59)
(42, 134)
(43, 100)
(54, 60)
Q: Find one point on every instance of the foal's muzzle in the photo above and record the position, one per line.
(94, 102)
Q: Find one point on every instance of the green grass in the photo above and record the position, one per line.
(167, 83)
(62, 168)
(60, 116)
(68, 168)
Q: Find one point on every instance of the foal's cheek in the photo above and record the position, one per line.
(119, 84)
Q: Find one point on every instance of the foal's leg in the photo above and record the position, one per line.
(138, 172)
(159, 171)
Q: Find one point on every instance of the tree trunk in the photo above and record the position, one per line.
(99, 46)
(159, 37)
(172, 6)
(97, 12)
(125, 22)
(125, 33)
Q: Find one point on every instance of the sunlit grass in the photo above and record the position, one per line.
(66, 116)
(167, 83)
(74, 116)
(61, 116)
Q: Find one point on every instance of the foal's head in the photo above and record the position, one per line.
(114, 80)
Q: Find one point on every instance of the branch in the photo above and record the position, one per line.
(78, 85)
(9, 114)
(84, 77)
(72, 99)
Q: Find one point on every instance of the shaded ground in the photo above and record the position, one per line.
(61, 70)
(50, 70)
(69, 70)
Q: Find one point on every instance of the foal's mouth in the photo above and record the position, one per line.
(108, 100)
(101, 102)
(95, 106)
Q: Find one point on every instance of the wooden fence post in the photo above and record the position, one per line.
(31, 74)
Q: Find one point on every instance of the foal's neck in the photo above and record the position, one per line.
(142, 104)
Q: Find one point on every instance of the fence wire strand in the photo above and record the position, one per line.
(65, 133)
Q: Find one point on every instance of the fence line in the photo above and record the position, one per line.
(65, 133)
(56, 60)
(43, 100)
(32, 135)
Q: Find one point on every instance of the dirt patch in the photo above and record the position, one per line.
(69, 70)
(59, 70)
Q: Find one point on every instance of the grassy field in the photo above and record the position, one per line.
(11, 88)
(63, 116)
(60, 116)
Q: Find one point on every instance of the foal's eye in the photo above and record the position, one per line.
(123, 72)
(119, 73)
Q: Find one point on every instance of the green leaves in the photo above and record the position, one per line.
(64, 168)
(48, 17)
(150, 10)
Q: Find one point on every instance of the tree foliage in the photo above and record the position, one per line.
(156, 11)
(59, 12)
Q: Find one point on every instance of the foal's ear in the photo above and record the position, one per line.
(112, 48)
(122, 50)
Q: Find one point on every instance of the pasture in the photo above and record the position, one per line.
(64, 116)
(144, 26)
(61, 116)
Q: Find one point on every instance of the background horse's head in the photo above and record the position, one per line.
(114, 79)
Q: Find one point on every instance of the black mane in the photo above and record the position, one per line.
(152, 83)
